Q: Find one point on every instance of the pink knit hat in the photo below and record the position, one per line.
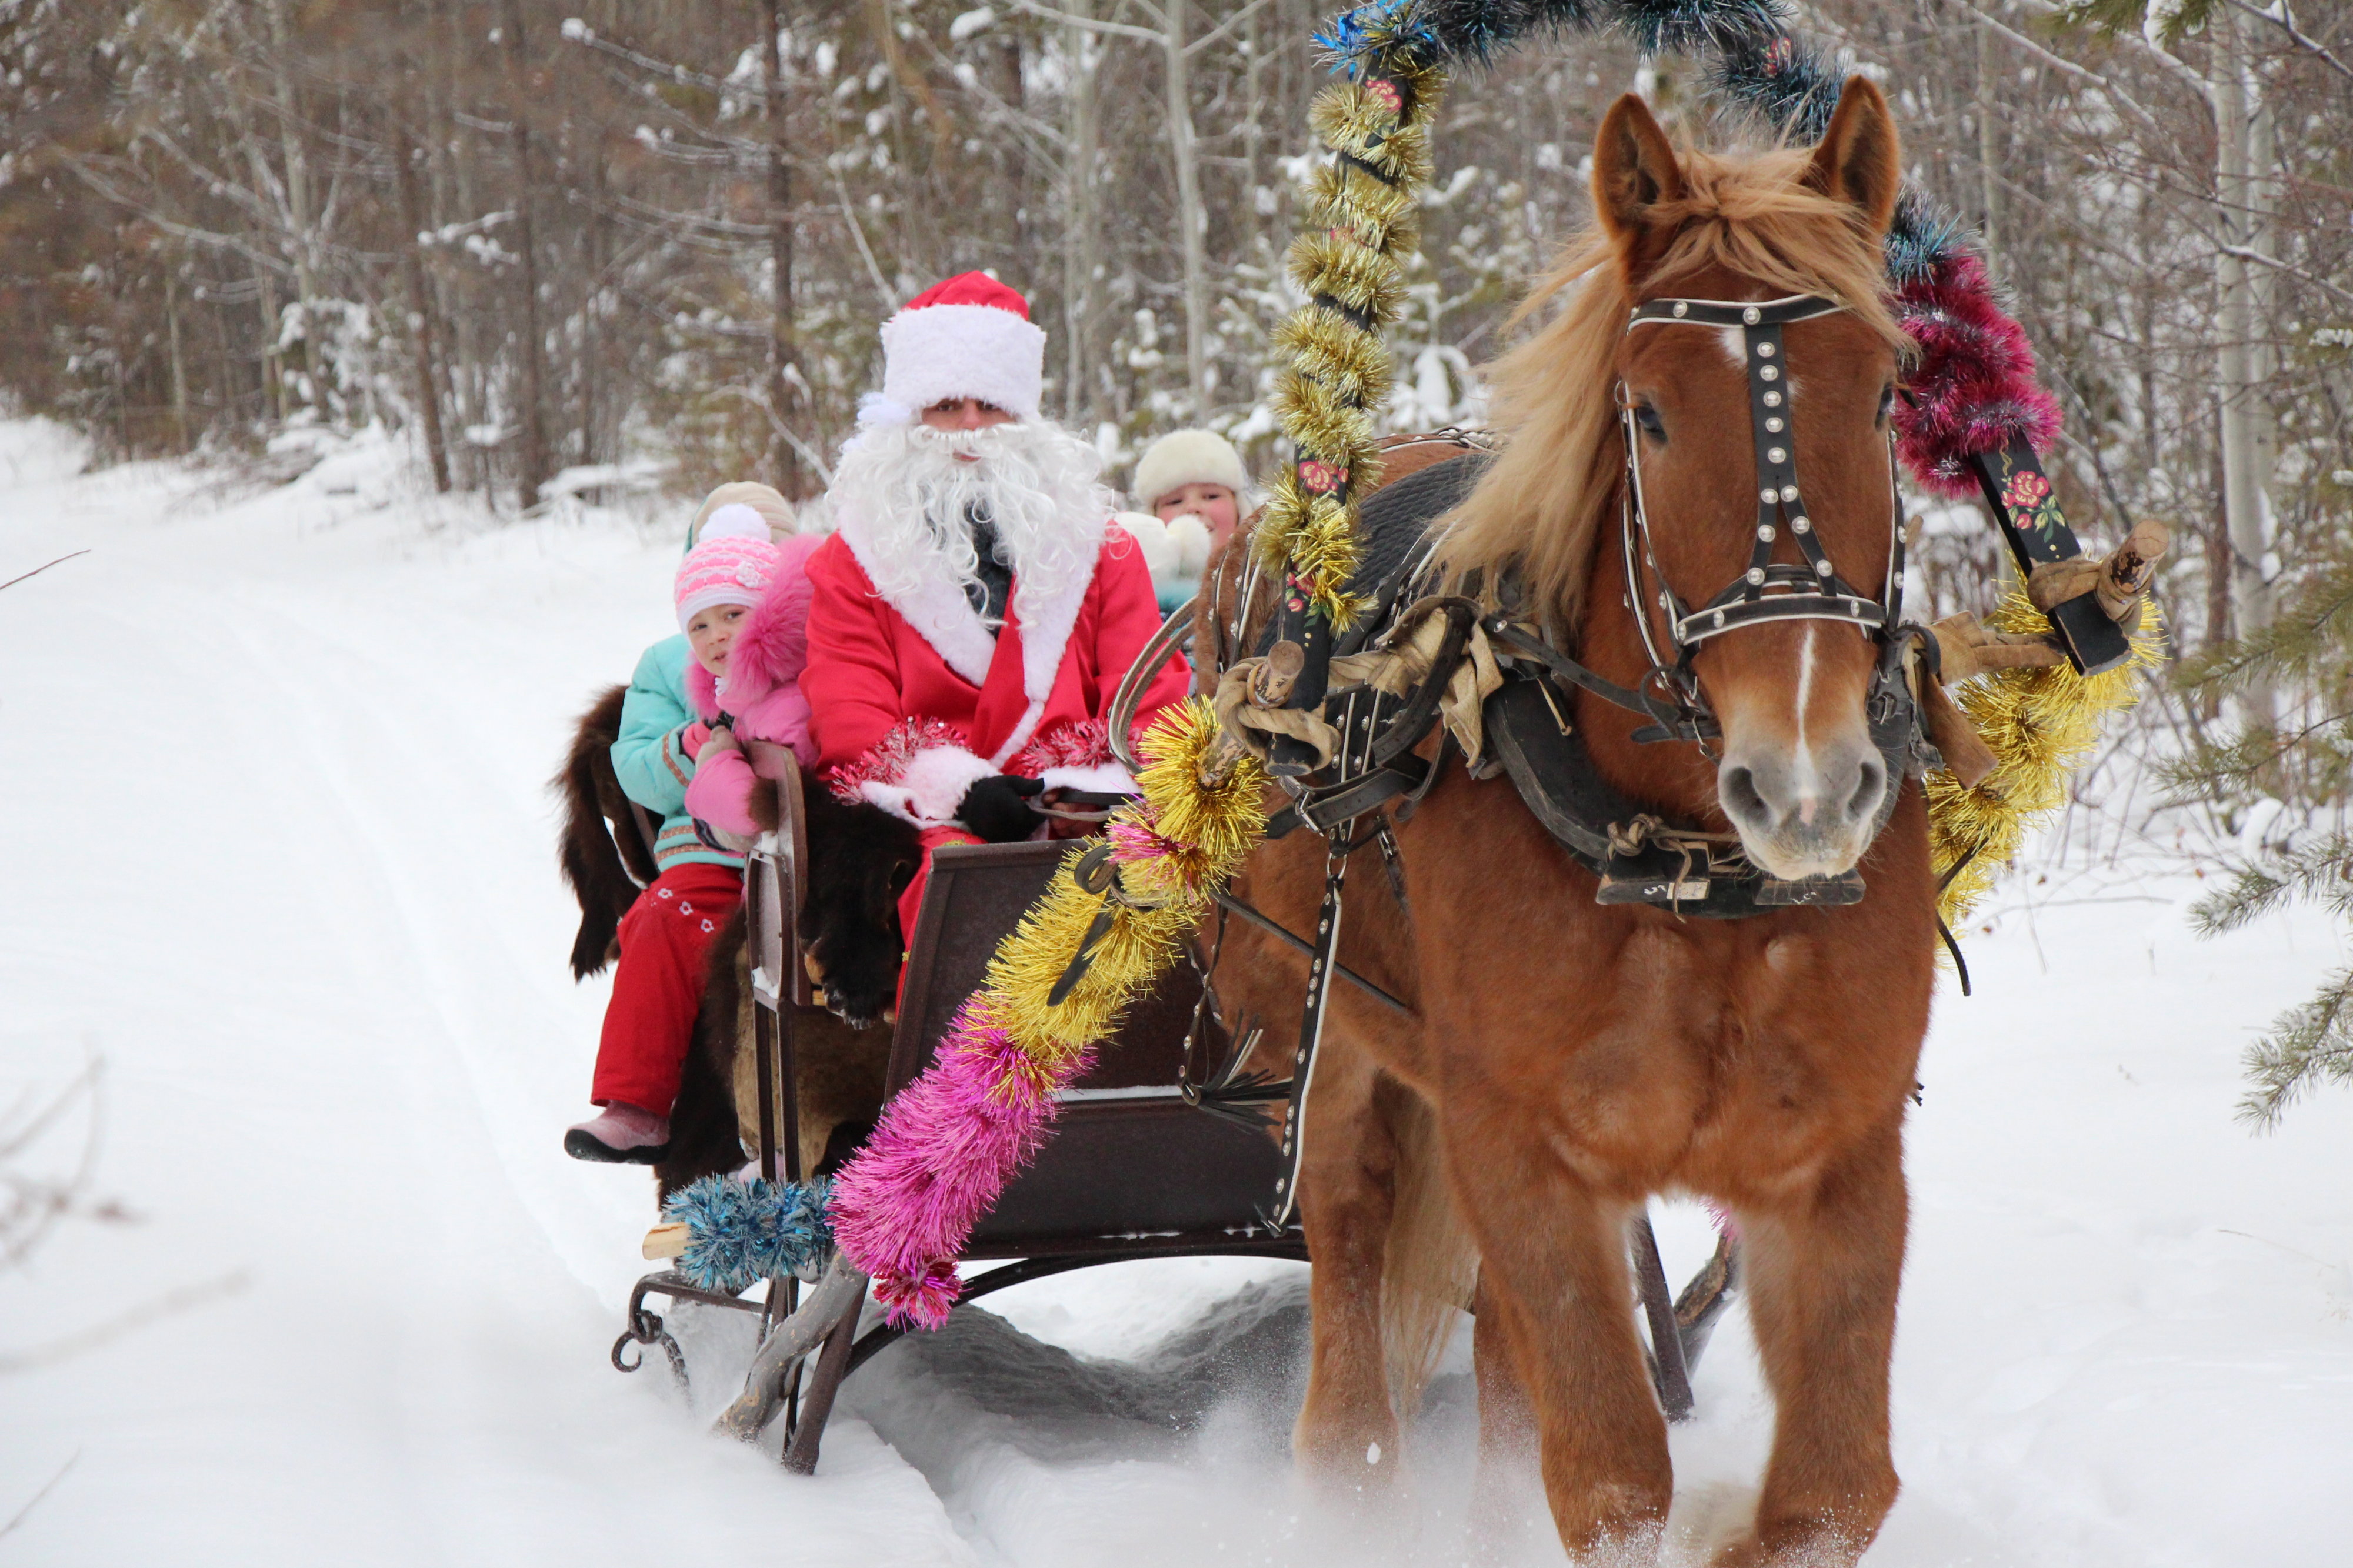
(732, 566)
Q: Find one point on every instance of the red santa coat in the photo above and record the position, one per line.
(913, 698)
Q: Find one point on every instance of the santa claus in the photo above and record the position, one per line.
(976, 612)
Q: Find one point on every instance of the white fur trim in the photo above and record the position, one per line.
(938, 611)
(1152, 536)
(964, 351)
(932, 786)
(1044, 636)
(873, 409)
(1184, 458)
(1188, 540)
(1103, 778)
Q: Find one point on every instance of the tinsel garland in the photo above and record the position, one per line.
(2039, 724)
(948, 1143)
(741, 1231)
(1363, 225)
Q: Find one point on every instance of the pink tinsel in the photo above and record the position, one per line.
(904, 1206)
(1974, 387)
(885, 761)
(1082, 743)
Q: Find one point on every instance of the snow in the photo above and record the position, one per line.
(280, 857)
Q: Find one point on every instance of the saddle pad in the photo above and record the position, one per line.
(1392, 523)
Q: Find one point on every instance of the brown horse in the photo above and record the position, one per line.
(1564, 1060)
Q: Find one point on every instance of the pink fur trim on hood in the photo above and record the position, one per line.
(764, 668)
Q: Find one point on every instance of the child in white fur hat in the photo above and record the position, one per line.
(1193, 483)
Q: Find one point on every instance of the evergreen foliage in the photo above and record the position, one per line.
(2307, 647)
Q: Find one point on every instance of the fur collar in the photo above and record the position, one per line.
(944, 618)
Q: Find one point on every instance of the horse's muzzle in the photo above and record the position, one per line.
(1804, 811)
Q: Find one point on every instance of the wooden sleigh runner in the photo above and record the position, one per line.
(1162, 1149)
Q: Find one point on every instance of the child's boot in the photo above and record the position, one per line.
(622, 1134)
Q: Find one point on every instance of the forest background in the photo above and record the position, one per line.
(581, 249)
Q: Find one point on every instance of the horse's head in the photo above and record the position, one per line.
(1760, 455)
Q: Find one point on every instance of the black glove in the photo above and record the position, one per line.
(997, 807)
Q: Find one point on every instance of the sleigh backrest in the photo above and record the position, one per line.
(1132, 1165)
(774, 885)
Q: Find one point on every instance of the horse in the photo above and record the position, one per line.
(1559, 1060)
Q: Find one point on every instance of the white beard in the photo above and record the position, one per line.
(912, 488)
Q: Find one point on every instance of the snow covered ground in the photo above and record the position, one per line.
(276, 854)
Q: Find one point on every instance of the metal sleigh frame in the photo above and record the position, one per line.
(1202, 1180)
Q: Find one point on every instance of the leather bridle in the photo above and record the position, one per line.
(1766, 592)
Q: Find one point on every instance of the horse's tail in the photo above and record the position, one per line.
(593, 862)
(1429, 1267)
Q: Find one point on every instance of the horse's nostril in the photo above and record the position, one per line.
(1737, 789)
(1873, 779)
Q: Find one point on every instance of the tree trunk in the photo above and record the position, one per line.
(783, 406)
(536, 469)
(179, 360)
(420, 306)
(1989, 153)
(298, 191)
(2243, 215)
(1081, 260)
(1188, 211)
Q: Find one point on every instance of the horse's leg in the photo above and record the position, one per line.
(1822, 1278)
(1553, 1257)
(1504, 1496)
(1347, 1430)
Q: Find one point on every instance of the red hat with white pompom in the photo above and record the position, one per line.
(732, 563)
(968, 337)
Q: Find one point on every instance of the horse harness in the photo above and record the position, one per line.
(1637, 858)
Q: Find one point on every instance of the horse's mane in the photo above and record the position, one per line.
(1540, 505)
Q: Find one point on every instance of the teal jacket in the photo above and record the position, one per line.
(650, 761)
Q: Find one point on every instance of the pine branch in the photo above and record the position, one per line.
(2312, 628)
(2309, 1044)
(2322, 872)
(2219, 769)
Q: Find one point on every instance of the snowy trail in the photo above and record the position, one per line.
(277, 849)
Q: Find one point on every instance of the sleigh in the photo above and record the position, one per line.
(1162, 1148)
(1135, 1169)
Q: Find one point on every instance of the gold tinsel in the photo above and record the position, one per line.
(1330, 348)
(1198, 834)
(2039, 724)
(1364, 223)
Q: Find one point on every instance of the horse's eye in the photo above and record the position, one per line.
(1648, 418)
(1886, 400)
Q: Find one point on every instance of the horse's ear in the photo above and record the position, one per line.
(1857, 160)
(1634, 170)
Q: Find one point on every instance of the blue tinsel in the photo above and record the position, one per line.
(742, 1232)
(1759, 68)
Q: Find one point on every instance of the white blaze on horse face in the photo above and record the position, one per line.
(1803, 792)
(1810, 802)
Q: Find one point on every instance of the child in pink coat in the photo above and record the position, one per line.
(742, 603)
(759, 698)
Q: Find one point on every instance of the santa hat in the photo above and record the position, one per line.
(733, 564)
(968, 337)
(1184, 458)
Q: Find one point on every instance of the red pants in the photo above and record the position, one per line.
(658, 985)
